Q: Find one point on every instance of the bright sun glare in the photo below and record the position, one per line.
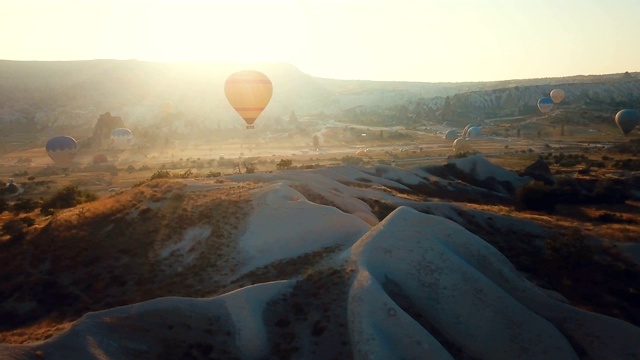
(461, 40)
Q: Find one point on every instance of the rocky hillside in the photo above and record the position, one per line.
(41, 95)
(344, 262)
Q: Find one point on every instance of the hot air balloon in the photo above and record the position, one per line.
(627, 119)
(451, 135)
(545, 104)
(474, 132)
(100, 159)
(62, 150)
(248, 92)
(121, 138)
(466, 129)
(557, 95)
(461, 145)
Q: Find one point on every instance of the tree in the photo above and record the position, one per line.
(284, 164)
(68, 197)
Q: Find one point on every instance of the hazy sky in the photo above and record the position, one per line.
(421, 40)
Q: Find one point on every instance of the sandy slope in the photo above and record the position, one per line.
(334, 281)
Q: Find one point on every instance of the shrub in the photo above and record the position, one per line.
(24, 205)
(609, 191)
(184, 175)
(352, 160)
(284, 164)
(627, 164)
(14, 228)
(536, 196)
(68, 197)
(161, 174)
(28, 221)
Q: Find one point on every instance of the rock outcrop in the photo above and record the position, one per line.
(102, 130)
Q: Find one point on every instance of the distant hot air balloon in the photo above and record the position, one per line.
(474, 132)
(627, 120)
(545, 104)
(451, 135)
(248, 92)
(466, 129)
(100, 159)
(557, 95)
(121, 138)
(62, 150)
(462, 145)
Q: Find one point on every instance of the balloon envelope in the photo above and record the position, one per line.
(62, 150)
(474, 132)
(466, 129)
(557, 95)
(545, 104)
(249, 93)
(100, 159)
(627, 120)
(121, 138)
(451, 135)
(461, 145)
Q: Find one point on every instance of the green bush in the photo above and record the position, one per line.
(352, 160)
(24, 205)
(28, 221)
(627, 164)
(14, 228)
(284, 164)
(536, 196)
(610, 191)
(183, 175)
(161, 174)
(68, 197)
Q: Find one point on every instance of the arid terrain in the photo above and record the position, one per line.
(326, 237)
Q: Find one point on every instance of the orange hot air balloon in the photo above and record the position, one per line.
(248, 92)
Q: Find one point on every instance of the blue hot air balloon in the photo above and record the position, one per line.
(466, 129)
(451, 134)
(62, 150)
(121, 138)
(545, 104)
(474, 132)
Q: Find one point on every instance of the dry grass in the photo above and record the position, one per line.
(105, 254)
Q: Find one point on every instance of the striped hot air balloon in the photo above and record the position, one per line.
(121, 138)
(249, 93)
(62, 150)
(545, 104)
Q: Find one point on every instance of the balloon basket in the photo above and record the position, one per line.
(250, 127)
